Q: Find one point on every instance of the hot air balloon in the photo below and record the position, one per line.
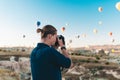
(100, 9)
(95, 31)
(100, 22)
(110, 33)
(70, 41)
(38, 23)
(113, 40)
(63, 29)
(66, 24)
(23, 36)
(117, 6)
(84, 35)
(78, 36)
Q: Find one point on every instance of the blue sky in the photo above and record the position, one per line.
(19, 17)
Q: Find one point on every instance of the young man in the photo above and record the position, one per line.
(45, 60)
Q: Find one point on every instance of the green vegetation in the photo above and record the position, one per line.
(97, 57)
(107, 63)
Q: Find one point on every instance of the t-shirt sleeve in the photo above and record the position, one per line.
(60, 59)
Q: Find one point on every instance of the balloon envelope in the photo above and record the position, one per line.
(38, 23)
(63, 29)
(84, 35)
(23, 36)
(117, 6)
(100, 22)
(66, 24)
(78, 36)
(95, 30)
(110, 33)
(100, 9)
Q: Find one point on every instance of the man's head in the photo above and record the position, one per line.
(48, 34)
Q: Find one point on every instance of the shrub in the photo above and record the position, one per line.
(100, 67)
(97, 57)
(96, 61)
(4, 51)
(107, 63)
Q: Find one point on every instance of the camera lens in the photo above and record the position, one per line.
(61, 37)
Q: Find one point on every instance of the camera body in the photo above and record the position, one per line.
(59, 37)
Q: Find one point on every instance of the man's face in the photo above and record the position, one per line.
(53, 39)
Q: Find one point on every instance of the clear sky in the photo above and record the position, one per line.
(79, 17)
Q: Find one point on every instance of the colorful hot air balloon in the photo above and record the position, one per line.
(63, 29)
(110, 33)
(95, 31)
(117, 6)
(38, 23)
(100, 9)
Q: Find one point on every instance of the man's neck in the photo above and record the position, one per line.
(45, 41)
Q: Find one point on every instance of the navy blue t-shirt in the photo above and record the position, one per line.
(46, 62)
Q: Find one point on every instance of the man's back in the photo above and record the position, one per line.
(44, 63)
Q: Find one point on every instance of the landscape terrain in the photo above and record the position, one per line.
(101, 62)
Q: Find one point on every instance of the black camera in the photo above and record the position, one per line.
(59, 37)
